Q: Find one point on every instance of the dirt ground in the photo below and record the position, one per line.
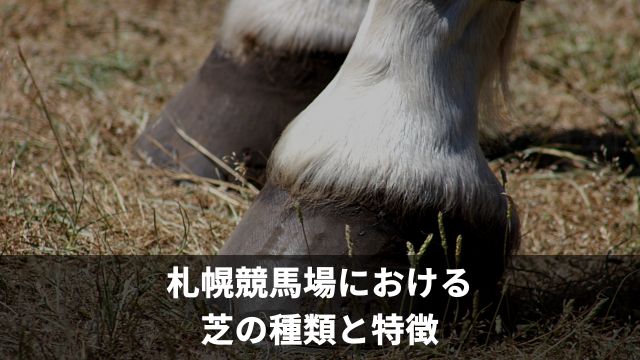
(69, 183)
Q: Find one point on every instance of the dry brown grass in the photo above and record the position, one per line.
(576, 68)
(106, 67)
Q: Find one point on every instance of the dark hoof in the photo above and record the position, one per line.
(277, 225)
(236, 110)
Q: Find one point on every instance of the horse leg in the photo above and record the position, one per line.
(271, 59)
(392, 144)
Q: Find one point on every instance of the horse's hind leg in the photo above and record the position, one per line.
(393, 143)
(270, 61)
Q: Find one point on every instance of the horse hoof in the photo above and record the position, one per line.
(235, 109)
(279, 224)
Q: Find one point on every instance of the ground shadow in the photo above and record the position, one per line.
(613, 146)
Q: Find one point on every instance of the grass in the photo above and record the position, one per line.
(99, 87)
(69, 183)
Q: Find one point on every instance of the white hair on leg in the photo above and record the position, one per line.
(495, 94)
(292, 25)
(400, 119)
